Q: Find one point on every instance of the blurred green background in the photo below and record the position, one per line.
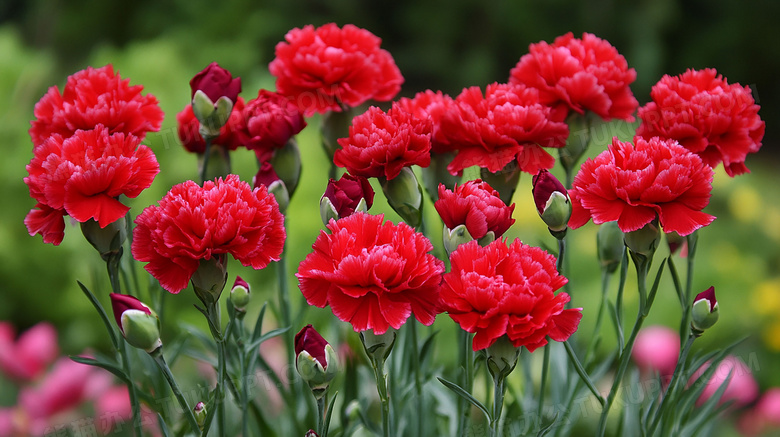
(444, 45)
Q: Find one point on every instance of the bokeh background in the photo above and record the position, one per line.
(441, 45)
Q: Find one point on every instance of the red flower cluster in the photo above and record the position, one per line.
(579, 75)
(191, 223)
(189, 129)
(505, 124)
(476, 205)
(268, 122)
(707, 116)
(82, 176)
(373, 275)
(380, 143)
(433, 105)
(634, 184)
(324, 68)
(498, 290)
(91, 97)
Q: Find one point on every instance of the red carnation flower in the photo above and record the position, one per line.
(92, 97)
(498, 290)
(216, 82)
(433, 105)
(191, 223)
(717, 121)
(505, 124)
(634, 184)
(269, 121)
(82, 176)
(476, 205)
(324, 68)
(579, 75)
(373, 275)
(189, 129)
(381, 144)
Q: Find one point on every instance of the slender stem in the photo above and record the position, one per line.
(321, 403)
(244, 363)
(135, 405)
(206, 153)
(583, 374)
(188, 413)
(416, 369)
(678, 372)
(606, 276)
(215, 324)
(467, 381)
(625, 355)
(378, 365)
(543, 384)
(499, 388)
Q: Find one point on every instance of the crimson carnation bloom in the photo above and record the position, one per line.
(635, 184)
(82, 176)
(189, 130)
(575, 74)
(381, 144)
(324, 68)
(433, 105)
(269, 121)
(717, 121)
(476, 205)
(373, 275)
(91, 97)
(498, 290)
(193, 223)
(505, 124)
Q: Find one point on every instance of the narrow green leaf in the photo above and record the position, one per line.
(163, 426)
(259, 323)
(465, 395)
(113, 368)
(328, 414)
(270, 334)
(102, 313)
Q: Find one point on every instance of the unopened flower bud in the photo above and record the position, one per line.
(405, 196)
(609, 243)
(311, 433)
(378, 345)
(675, 241)
(346, 196)
(453, 238)
(502, 357)
(107, 241)
(137, 322)
(287, 164)
(209, 279)
(200, 414)
(704, 312)
(240, 295)
(552, 202)
(214, 92)
(315, 360)
(267, 176)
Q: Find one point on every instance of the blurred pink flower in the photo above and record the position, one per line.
(26, 358)
(742, 387)
(113, 412)
(657, 349)
(764, 416)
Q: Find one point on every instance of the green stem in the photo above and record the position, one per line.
(625, 355)
(678, 372)
(215, 324)
(188, 413)
(135, 405)
(378, 365)
(499, 388)
(244, 363)
(321, 403)
(206, 153)
(606, 276)
(467, 381)
(416, 369)
(543, 384)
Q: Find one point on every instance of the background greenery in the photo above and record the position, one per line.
(437, 44)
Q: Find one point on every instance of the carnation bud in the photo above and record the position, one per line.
(214, 92)
(210, 278)
(504, 181)
(200, 414)
(107, 241)
(137, 322)
(552, 202)
(704, 312)
(287, 164)
(502, 357)
(334, 125)
(453, 238)
(346, 196)
(212, 116)
(609, 241)
(378, 345)
(675, 241)
(405, 196)
(578, 140)
(311, 433)
(436, 173)
(240, 295)
(267, 176)
(644, 241)
(315, 360)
